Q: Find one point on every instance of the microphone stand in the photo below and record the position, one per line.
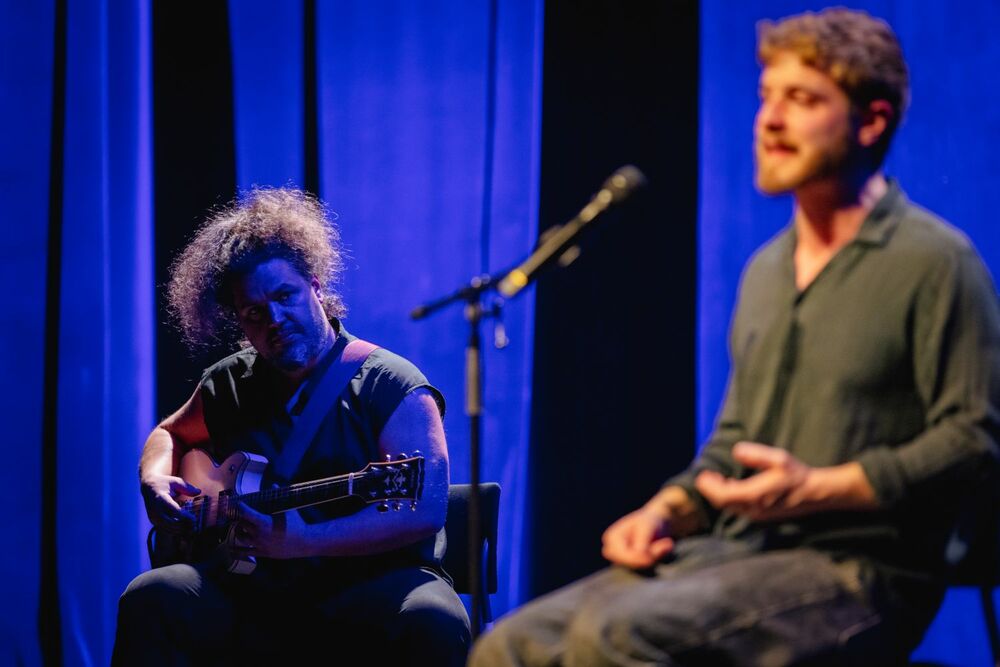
(557, 246)
(475, 311)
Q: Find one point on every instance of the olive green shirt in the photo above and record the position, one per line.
(891, 358)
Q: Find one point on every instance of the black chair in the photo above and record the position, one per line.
(976, 558)
(456, 559)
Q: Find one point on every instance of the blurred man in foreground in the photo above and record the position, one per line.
(863, 404)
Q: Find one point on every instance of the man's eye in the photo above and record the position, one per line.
(805, 99)
(284, 297)
(252, 314)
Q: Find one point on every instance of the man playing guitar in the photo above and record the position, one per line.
(333, 576)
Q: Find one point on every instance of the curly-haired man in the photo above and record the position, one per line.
(320, 579)
(863, 403)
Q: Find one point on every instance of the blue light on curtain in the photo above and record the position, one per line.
(513, 231)
(106, 342)
(403, 134)
(25, 39)
(266, 39)
(943, 156)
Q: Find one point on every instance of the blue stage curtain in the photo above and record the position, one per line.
(404, 91)
(106, 340)
(266, 39)
(944, 156)
(26, 39)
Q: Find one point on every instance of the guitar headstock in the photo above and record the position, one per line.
(390, 483)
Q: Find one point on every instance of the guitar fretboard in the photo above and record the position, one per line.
(382, 483)
(272, 501)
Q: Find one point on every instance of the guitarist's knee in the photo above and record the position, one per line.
(164, 590)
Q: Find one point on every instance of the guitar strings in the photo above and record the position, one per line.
(269, 494)
(203, 505)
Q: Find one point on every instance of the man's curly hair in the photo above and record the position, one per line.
(261, 224)
(858, 51)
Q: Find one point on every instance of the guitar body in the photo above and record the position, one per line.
(225, 485)
(241, 473)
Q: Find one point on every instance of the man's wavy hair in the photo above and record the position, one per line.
(859, 52)
(261, 224)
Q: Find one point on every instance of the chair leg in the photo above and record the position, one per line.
(990, 616)
(485, 613)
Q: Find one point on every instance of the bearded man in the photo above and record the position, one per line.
(316, 579)
(863, 403)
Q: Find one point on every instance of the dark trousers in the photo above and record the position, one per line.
(717, 603)
(188, 615)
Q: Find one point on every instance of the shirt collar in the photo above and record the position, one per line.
(877, 226)
(884, 217)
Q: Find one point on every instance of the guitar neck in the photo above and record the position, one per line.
(389, 481)
(274, 501)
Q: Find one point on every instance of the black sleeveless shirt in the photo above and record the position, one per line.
(246, 408)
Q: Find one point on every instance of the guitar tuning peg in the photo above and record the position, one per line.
(413, 505)
(401, 456)
(382, 507)
(388, 458)
(396, 506)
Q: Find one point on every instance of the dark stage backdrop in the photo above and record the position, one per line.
(613, 403)
(943, 155)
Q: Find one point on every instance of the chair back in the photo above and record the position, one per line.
(456, 527)
(973, 553)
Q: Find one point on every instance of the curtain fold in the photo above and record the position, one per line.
(26, 39)
(106, 339)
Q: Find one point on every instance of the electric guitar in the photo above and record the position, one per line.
(389, 484)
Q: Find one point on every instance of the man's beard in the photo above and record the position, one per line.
(831, 162)
(298, 355)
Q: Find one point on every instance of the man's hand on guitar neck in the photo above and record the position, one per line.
(283, 535)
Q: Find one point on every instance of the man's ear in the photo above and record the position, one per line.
(875, 122)
(317, 286)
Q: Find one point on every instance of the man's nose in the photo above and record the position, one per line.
(771, 115)
(275, 313)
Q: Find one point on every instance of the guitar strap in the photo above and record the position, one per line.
(318, 403)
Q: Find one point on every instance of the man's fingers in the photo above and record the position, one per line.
(636, 549)
(627, 557)
(170, 509)
(251, 520)
(179, 487)
(661, 547)
(756, 455)
(639, 559)
(723, 492)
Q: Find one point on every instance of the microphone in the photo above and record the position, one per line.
(617, 188)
